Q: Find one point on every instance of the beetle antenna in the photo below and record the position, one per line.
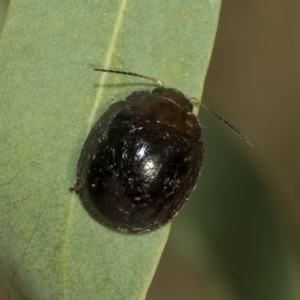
(228, 124)
(158, 81)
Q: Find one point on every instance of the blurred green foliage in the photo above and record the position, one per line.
(230, 221)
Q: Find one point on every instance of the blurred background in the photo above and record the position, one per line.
(239, 235)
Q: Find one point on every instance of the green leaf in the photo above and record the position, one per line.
(50, 248)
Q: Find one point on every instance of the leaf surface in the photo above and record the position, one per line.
(50, 248)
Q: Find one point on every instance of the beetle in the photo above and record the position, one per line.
(142, 159)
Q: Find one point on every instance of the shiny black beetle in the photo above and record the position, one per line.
(141, 160)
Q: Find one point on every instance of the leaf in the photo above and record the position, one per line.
(50, 248)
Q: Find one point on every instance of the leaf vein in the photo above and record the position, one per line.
(108, 58)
